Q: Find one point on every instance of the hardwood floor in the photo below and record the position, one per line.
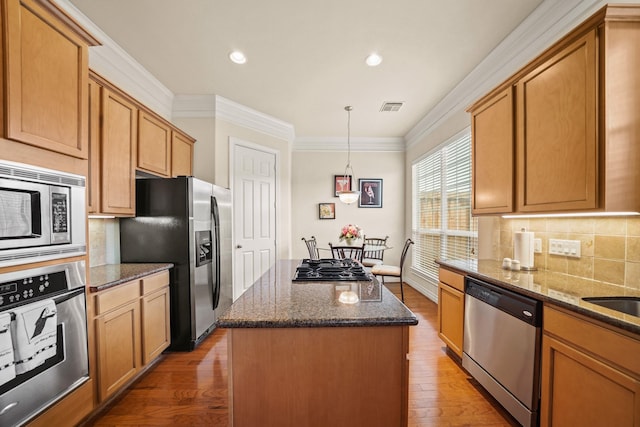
(190, 389)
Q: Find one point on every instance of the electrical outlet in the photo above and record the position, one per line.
(570, 248)
(537, 246)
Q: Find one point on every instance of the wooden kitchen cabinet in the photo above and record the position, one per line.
(451, 309)
(117, 337)
(154, 144)
(575, 125)
(46, 70)
(156, 327)
(590, 372)
(181, 154)
(557, 141)
(132, 327)
(493, 154)
(113, 143)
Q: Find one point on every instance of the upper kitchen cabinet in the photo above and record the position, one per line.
(557, 141)
(493, 154)
(181, 154)
(46, 72)
(154, 144)
(112, 141)
(573, 125)
(163, 150)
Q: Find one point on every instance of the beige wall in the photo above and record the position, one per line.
(203, 130)
(312, 183)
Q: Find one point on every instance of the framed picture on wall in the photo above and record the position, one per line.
(370, 193)
(327, 210)
(341, 183)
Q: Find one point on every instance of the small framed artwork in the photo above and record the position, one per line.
(341, 183)
(327, 210)
(370, 193)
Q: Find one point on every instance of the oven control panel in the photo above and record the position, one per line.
(28, 288)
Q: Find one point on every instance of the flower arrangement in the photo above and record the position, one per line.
(350, 231)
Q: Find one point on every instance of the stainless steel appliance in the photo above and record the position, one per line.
(42, 214)
(187, 222)
(502, 347)
(319, 270)
(31, 392)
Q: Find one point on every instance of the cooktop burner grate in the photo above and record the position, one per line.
(330, 270)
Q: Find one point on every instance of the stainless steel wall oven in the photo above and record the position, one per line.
(42, 214)
(43, 339)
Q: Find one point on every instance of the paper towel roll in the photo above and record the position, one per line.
(523, 248)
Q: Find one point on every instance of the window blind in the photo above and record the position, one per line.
(443, 227)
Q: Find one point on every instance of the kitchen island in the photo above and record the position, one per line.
(298, 356)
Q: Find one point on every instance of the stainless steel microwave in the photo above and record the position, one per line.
(42, 214)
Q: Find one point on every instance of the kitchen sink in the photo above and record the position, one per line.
(628, 305)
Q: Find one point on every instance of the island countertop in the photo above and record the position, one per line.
(275, 301)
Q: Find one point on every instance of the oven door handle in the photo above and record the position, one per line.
(68, 295)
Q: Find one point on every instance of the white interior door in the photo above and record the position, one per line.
(254, 207)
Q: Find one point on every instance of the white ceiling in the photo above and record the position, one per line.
(306, 58)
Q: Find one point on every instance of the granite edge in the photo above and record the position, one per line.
(146, 269)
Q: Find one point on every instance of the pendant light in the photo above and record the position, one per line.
(349, 196)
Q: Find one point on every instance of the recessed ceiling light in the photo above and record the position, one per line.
(373, 60)
(237, 57)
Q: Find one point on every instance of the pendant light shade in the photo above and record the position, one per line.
(349, 196)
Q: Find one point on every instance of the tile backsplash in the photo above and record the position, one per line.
(610, 247)
(104, 241)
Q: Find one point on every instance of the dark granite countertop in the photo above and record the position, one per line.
(561, 289)
(106, 276)
(274, 301)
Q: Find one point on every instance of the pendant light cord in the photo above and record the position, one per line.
(348, 108)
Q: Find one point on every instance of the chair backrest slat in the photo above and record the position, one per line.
(312, 247)
(344, 252)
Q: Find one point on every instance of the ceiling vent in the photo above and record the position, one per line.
(391, 106)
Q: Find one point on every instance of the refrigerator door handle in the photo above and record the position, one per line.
(215, 214)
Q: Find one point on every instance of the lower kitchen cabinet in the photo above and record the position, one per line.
(451, 309)
(132, 327)
(590, 373)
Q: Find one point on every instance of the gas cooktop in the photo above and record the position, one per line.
(330, 270)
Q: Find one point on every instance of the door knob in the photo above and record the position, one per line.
(238, 246)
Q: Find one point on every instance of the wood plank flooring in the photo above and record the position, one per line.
(190, 389)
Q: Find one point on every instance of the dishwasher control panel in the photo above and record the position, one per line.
(524, 308)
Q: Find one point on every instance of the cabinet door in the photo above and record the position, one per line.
(156, 327)
(93, 187)
(118, 158)
(181, 155)
(118, 342)
(154, 144)
(557, 139)
(493, 154)
(47, 72)
(578, 390)
(450, 317)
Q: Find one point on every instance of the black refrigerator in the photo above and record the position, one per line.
(187, 222)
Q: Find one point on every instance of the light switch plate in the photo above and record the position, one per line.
(537, 246)
(570, 248)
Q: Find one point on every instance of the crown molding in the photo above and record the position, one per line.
(117, 66)
(544, 26)
(241, 115)
(340, 144)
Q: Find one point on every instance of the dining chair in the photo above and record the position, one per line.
(312, 247)
(372, 255)
(350, 251)
(393, 270)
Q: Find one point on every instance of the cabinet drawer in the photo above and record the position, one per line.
(607, 343)
(455, 280)
(119, 295)
(155, 282)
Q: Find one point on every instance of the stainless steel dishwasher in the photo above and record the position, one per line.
(502, 347)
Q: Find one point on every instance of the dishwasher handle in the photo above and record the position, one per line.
(519, 306)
